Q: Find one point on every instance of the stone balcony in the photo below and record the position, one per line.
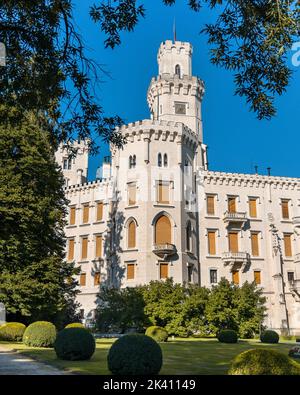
(297, 258)
(232, 258)
(164, 250)
(237, 218)
(296, 222)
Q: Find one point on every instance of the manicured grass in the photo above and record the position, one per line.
(181, 356)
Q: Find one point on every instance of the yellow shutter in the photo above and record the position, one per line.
(235, 277)
(84, 247)
(257, 277)
(99, 246)
(210, 205)
(287, 245)
(130, 271)
(163, 230)
(85, 218)
(71, 250)
(131, 235)
(231, 205)
(72, 215)
(252, 208)
(131, 194)
(212, 243)
(285, 209)
(163, 193)
(233, 242)
(99, 211)
(254, 244)
(97, 278)
(164, 270)
(82, 279)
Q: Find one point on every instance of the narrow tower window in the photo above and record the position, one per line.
(159, 160)
(177, 70)
(165, 160)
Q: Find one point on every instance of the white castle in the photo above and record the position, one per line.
(158, 212)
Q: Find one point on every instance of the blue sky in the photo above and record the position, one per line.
(236, 139)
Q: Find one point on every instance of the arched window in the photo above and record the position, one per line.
(159, 160)
(130, 162)
(189, 237)
(163, 230)
(131, 236)
(165, 160)
(134, 161)
(177, 70)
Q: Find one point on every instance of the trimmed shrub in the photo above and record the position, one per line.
(227, 336)
(135, 354)
(75, 325)
(295, 352)
(269, 337)
(157, 333)
(40, 334)
(263, 362)
(74, 344)
(12, 331)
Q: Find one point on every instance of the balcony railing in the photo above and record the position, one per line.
(164, 250)
(236, 218)
(297, 258)
(229, 257)
(296, 221)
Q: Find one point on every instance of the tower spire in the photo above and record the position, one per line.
(174, 30)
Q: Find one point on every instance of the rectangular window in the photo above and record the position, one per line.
(81, 312)
(131, 194)
(287, 238)
(98, 246)
(291, 276)
(97, 278)
(211, 242)
(163, 192)
(65, 164)
(190, 273)
(130, 271)
(99, 215)
(254, 244)
(257, 277)
(252, 208)
(82, 280)
(85, 217)
(72, 215)
(84, 247)
(235, 277)
(285, 208)
(233, 242)
(213, 274)
(180, 108)
(71, 250)
(164, 270)
(232, 204)
(210, 200)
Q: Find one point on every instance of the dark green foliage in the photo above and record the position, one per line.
(157, 333)
(74, 344)
(40, 334)
(75, 325)
(227, 336)
(294, 352)
(12, 331)
(270, 337)
(263, 362)
(135, 354)
(33, 272)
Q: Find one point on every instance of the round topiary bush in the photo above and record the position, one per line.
(270, 337)
(74, 344)
(157, 333)
(135, 354)
(263, 362)
(12, 331)
(75, 325)
(40, 334)
(227, 336)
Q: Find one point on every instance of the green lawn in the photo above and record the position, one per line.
(181, 356)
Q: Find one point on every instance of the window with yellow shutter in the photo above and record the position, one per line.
(164, 270)
(84, 247)
(132, 234)
(235, 277)
(211, 242)
(210, 202)
(130, 271)
(287, 238)
(163, 192)
(257, 277)
(131, 194)
(98, 246)
(99, 216)
(254, 244)
(82, 280)
(232, 204)
(163, 230)
(85, 217)
(72, 215)
(233, 242)
(252, 207)
(97, 278)
(71, 250)
(285, 209)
